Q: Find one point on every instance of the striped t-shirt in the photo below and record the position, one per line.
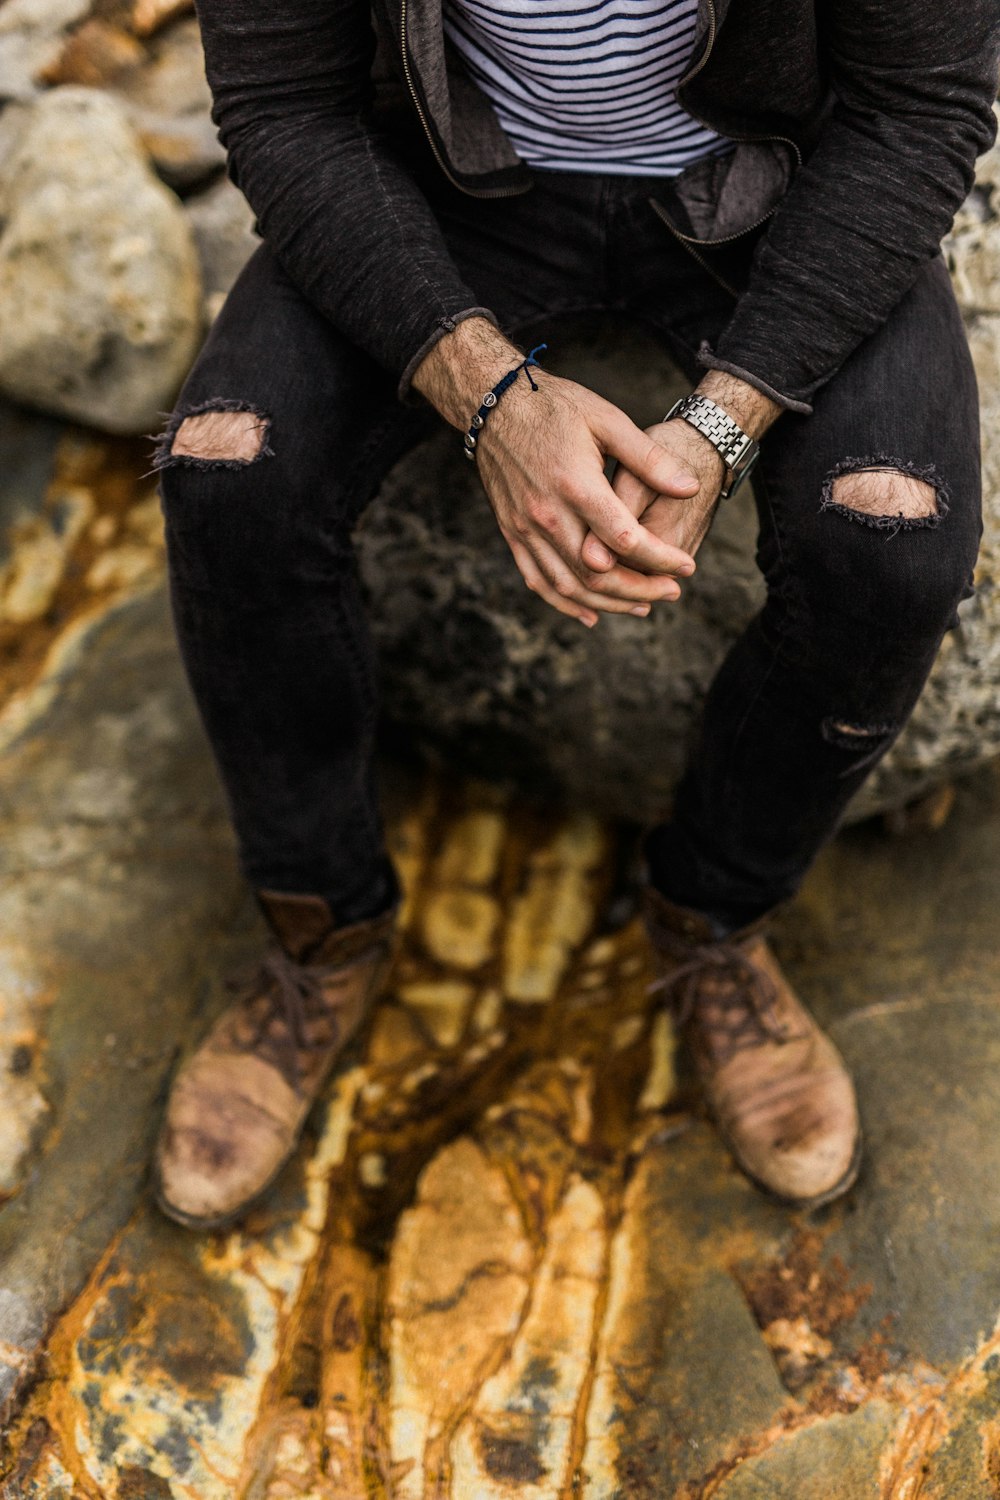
(586, 85)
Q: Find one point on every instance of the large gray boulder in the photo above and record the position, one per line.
(477, 667)
(100, 295)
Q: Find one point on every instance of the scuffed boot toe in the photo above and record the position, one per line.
(807, 1153)
(219, 1149)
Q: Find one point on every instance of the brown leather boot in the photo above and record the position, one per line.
(775, 1084)
(238, 1105)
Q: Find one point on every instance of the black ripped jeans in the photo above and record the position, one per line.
(269, 612)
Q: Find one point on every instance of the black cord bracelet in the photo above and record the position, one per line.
(492, 397)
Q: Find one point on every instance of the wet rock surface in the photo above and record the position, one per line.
(511, 1258)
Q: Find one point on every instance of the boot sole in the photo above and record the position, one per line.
(818, 1200)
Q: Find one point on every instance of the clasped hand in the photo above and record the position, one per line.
(583, 544)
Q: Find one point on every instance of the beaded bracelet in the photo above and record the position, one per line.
(492, 397)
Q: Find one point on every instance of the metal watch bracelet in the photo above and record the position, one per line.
(737, 448)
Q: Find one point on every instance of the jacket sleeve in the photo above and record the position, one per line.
(914, 85)
(292, 92)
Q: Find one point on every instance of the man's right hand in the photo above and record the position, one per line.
(541, 457)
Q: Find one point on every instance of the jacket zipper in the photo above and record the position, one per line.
(689, 245)
(785, 140)
(703, 59)
(438, 153)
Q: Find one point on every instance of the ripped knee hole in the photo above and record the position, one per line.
(884, 494)
(842, 732)
(218, 434)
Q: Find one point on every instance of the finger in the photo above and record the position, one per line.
(558, 531)
(633, 493)
(618, 582)
(636, 599)
(641, 455)
(537, 582)
(625, 536)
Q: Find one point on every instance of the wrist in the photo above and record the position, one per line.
(748, 406)
(463, 365)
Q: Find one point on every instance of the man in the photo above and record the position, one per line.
(763, 182)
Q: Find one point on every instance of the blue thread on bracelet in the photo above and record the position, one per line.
(492, 397)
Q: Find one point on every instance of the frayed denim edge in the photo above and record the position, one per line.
(164, 458)
(888, 523)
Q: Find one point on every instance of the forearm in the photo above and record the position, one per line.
(915, 86)
(292, 98)
(748, 406)
(462, 366)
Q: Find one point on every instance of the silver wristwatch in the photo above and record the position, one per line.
(738, 449)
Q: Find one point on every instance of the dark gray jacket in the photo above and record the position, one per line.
(858, 123)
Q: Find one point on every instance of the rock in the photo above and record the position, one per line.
(28, 444)
(99, 261)
(94, 55)
(122, 567)
(518, 1436)
(458, 927)
(554, 912)
(800, 1466)
(169, 105)
(223, 222)
(973, 247)
(32, 33)
(442, 1005)
(149, 15)
(40, 553)
(457, 1283)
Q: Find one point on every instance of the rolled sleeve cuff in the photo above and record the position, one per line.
(709, 360)
(444, 325)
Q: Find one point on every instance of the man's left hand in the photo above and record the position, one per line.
(685, 522)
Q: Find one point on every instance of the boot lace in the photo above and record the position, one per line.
(279, 988)
(738, 1010)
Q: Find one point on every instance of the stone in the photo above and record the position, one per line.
(149, 15)
(973, 246)
(32, 34)
(40, 551)
(800, 1466)
(94, 55)
(123, 567)
(554, 913)
(223, 224)
(457, 1285)
(682, 1377)
(28, 444)
(71, 954)
(99, 261)
(442, 1005)
(518, 1437)
(933, 1173)
(517, 1267)
(458, 927)
(168, 103)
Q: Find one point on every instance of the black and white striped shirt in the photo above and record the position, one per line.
(586, 85)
